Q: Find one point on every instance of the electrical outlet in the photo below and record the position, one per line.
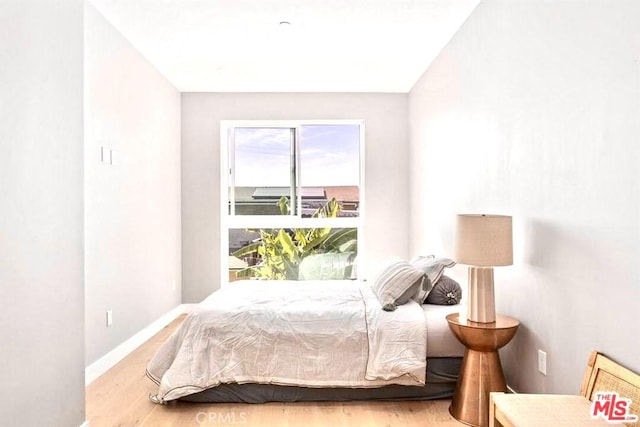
(109, 317)
(542, 362)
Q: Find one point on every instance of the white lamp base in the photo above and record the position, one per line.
(482, 307)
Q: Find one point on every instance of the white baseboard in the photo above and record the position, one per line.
(109, 360)
(188, 308)
(85, 424)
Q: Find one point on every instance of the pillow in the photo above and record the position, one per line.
(397, 283)
(327, 266)
(354, 269)
(446, 291)
(433, 268)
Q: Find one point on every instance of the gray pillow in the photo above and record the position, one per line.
(396, 284)
(446, 291)
(433, 269)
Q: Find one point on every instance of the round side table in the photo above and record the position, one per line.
(481, 371)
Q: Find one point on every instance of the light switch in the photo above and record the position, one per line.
(105, 154)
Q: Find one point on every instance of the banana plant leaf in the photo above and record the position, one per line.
(281, 251)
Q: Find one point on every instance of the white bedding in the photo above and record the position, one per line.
(312, 334)
(440, 340)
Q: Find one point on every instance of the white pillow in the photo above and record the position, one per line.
(397, 283)
(433, 268)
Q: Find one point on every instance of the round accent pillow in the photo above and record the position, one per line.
(446, 291)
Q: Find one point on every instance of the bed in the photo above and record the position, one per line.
(256, 341)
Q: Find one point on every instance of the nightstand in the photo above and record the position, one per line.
(481, 371)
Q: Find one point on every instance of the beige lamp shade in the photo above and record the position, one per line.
(484, 240)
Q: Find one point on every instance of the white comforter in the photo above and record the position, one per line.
(312, 334)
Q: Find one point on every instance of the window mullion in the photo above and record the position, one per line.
(231, 171)
(263, 221)
(296, 144)
(293, 182)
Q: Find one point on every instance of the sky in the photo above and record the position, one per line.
(329, 156)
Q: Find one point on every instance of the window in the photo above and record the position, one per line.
(282, 181)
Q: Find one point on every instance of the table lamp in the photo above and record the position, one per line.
(483, 242)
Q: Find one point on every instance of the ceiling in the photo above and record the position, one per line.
(327, 45)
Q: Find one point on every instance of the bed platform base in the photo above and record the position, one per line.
(442, 374)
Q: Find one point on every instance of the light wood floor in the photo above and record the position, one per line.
(120, 398)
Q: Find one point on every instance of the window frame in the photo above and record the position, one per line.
(229, 221)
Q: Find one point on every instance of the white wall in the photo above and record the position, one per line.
(386, 140)
(41, 261)
(132, 208)
(532, 110)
